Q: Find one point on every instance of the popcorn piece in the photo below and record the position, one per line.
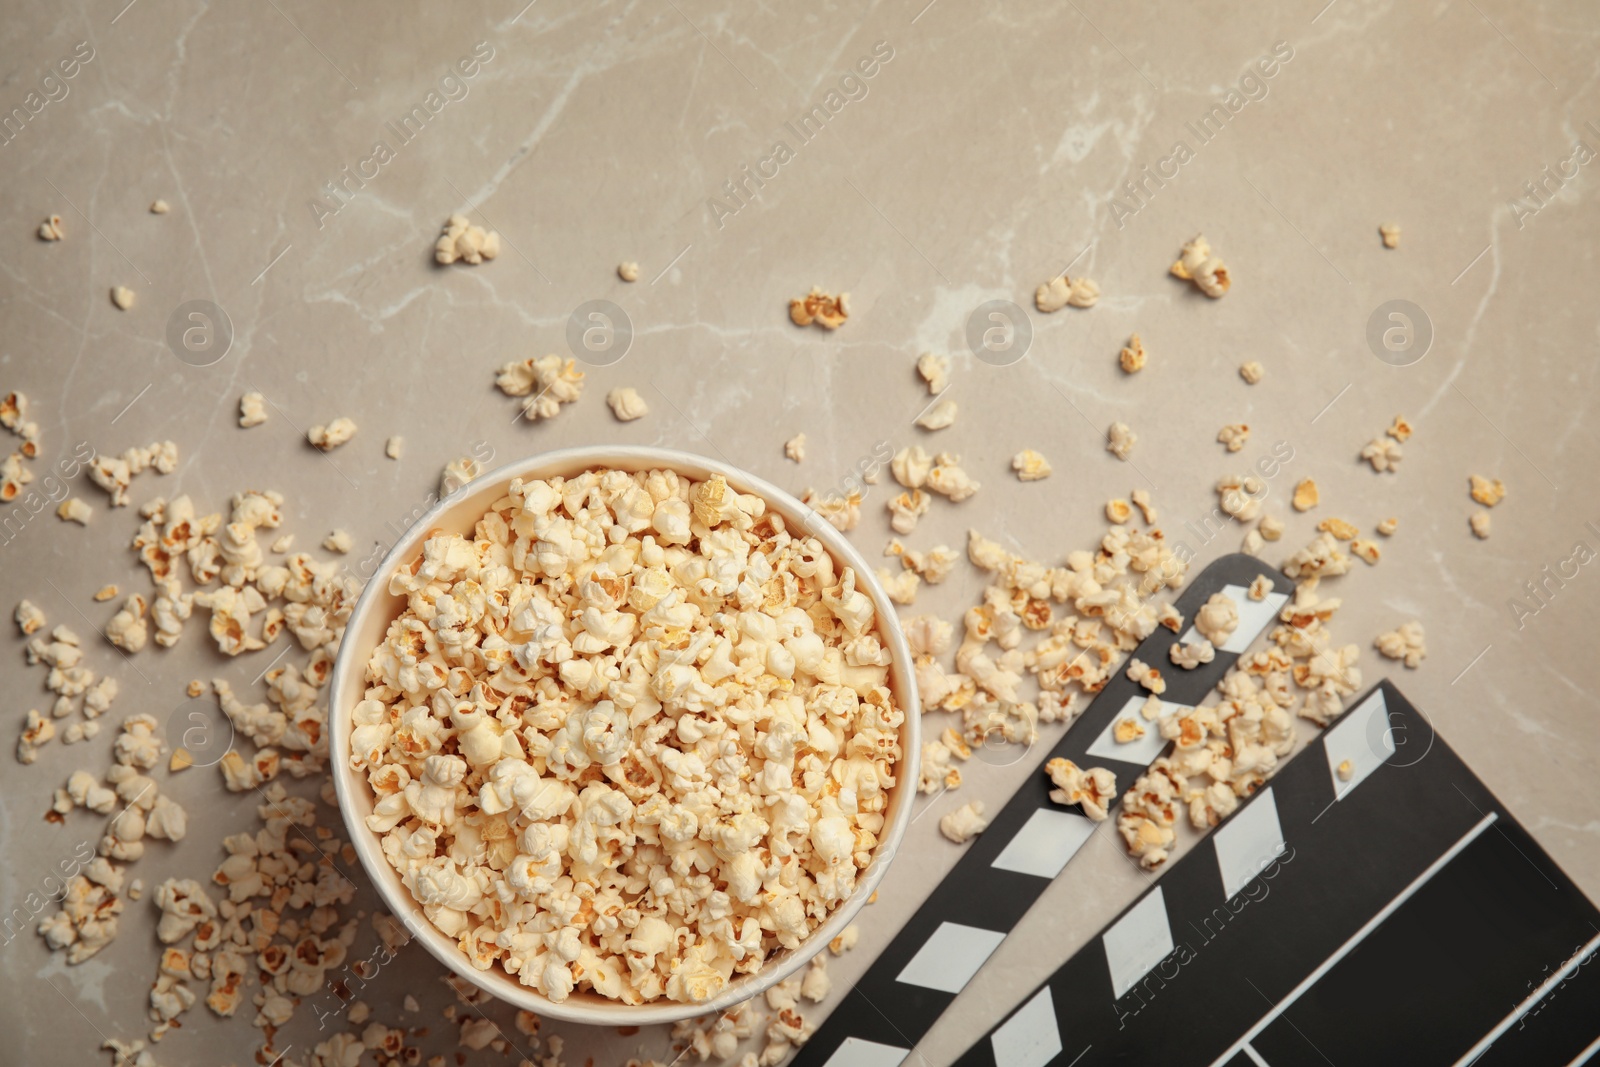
(394, 447)
(1234, 435)
(628, 271)
(1400, 430)
(1346, 770)
(843, 513)
(36, 731)
(338, 541)
(1120, 440)
(933, 566)
(51, 229)
(1127, 731)
(1197, 264)
(906, 509)
(1486, 492)
(30, 620)
(1217, 618)
(1260, 586)
(461, 241)
(548, 382)
(1407, 643)
(941, 416)
(457, 473)
(75, 510)
(128, 629)
(911, 466)
(122, 296)
(1390, 232)
(794, 448)
(252, 409)
(900, 588)
(1388, 526)
(1092, 789)
(1384, 454)
(1306, 495)
(1366, 549)
(964, 823)
(626, 404)
(845, 941)
(1118, 511)
(1340, 529)
(1480, 525)
(1030, 466)
(1141, 500)
(1132, 357)
(1251, 371)
(1241, 497)
(1084, 293)
(1193, 654)
(159, 207)
(104, 593)
(948, 480)
(329, 437)
(282, 545)
(935, 370)
(1270, 527)
(829, 312)
(1142, 674)
(1060, 291)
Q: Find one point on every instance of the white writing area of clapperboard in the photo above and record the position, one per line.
(1395, 913)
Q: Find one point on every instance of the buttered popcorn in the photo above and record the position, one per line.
(634, 737)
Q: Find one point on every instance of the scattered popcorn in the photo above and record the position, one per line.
(1030, 466)
(1118, 511)
(252, 410)
(794, 448)
(1260, 586)
(30, 620)
(329, 437)
(933, 566)
(906, 509)
(1193, 654)
(1480, 524)
(1132, 356)
(51, 229)
(1306, 495)
(1384, 454)
(1234, 435)
(159, 207)
(394, 447)
(577, 846)
(1197, 264)
(1407, 643)
(458, 472)
(122, 296)
(548, 382)
(1390, 232)
(1120, 440)
(461, 241)
(829, 312)
(948, 480)
(338, 541)
(935, 370)
(964, 823)
(902, 587)
(1142, 674)
(626, 404)
(1486, 492)
(281, 545)
(1060, 291)
(816, 985)
(36, 731)
(911, 466)
(941, 416)
(1141, 500)
(845, 941)
(1340, 529)
(1092, 789)
(1270, 527)
(104, 593)
(1239, 497)
(1251, 372)
(628, 271)
(1400, 430)
(1346, 770)
(1217, 618)
(1366, 549)
(128, 629)
(75, 510)
(1387, 527)
(1127, 731)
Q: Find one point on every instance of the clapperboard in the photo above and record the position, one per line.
(1289, 895)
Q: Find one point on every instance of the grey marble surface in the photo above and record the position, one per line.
(989, 150)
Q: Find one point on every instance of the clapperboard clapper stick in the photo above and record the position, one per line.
(1025, 846)
(1400, 917)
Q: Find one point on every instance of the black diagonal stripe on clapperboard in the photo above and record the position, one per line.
(882, 1015)
(1410, 921)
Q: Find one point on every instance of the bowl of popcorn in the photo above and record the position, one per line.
(624, 735)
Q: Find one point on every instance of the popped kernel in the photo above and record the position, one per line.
(1061, 291)
(159, 206)
(1118, 511)
(963, 824)
(1234, 435)
(461, 241)
(1406, 642)
(1480, 525)
(628, 271)
(935, 371)
(1347, 770)
(51, 229)
(122, 296)
(1252, 371)
(1260, 586)
(1030, 466)
(1388, 526)
(829, 312)
(1366, 549)
(1306, 495)
(104, 593)
(1196, 263)
(1132, 357)
(1340, 529)
(941, 416)
(547, 382)
(1141, 500)
(626, 404)
(1270, 527)
(1120, 440)
(75, 510)
(338, 541)
(794, 448)
(1486, 492)
(329, 437)
(1390, 232)
(394, 447)
(1384, 454)
(1400, 430)
(252, 409)
(1127, 731)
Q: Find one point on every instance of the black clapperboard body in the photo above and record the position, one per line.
(1397, 916)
